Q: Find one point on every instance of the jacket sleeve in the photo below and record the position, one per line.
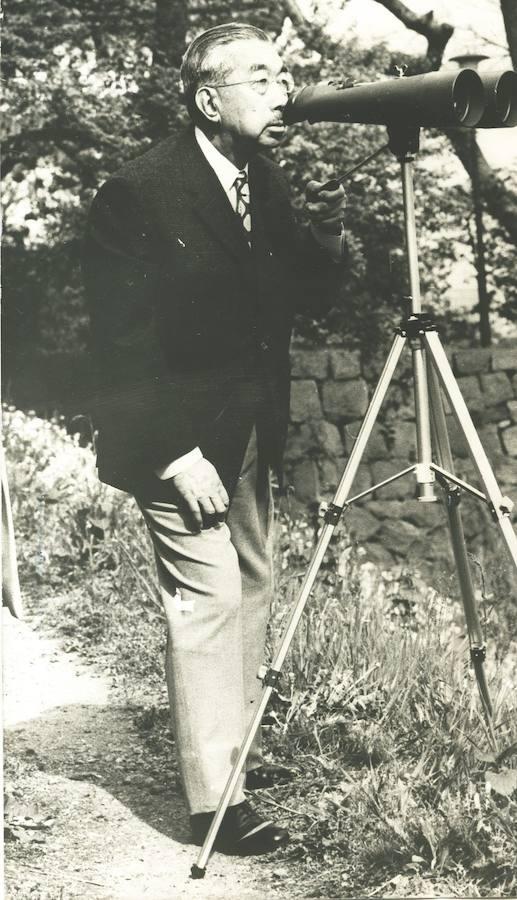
(138, 404)
(317, 277)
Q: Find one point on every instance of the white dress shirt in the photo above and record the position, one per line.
(227, 172)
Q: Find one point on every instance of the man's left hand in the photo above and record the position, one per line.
(325, 209)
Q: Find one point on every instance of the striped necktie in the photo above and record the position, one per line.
(242, 201)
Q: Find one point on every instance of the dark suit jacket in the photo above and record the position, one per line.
(191, 329)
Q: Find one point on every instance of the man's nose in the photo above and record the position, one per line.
(279, 96)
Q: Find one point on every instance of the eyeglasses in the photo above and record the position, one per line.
(261, 86)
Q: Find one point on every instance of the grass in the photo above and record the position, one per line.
(401, 790)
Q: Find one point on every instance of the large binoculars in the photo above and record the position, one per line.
(462, 97)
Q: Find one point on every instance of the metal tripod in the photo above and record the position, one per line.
(431, 371)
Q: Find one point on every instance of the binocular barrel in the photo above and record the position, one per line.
(500, 100)
(436, 99)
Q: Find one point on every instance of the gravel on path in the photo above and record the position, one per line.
(83, 818)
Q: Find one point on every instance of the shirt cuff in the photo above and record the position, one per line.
(334, 244)
(179, 465)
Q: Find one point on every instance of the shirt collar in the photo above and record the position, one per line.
(225, 170)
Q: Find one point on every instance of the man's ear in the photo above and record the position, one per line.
(207, 101)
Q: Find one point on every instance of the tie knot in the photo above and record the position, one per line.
(241, 185)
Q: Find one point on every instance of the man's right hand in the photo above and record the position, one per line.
(203, 493)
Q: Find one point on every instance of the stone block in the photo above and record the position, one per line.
(404, 440)
(345, 401)
(512, 410)
(398, 536)
(504, 358)
(372, 366)
(345, 364)
(328, 439)
(489, 437)
(400, 489)
(306, 482)
(362, 480)
(493, 414)
(474, 519)
(376, 447)
(471, 392)
(509, 436)
(506, 473)
(387, 509)
(301, 442)
(404, 412)
(423, 515)
(439, 543)
(378, 554)
(361, 524)
(456, 439)
(497, 388)
(328, 474)
(475, 359)
(514, 384)
(305, 401)
(434, 562)
(465, 470)
(426, 515)
(309, 363)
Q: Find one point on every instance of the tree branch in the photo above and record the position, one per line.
(295, 12)
(499, 200)
(437, 34)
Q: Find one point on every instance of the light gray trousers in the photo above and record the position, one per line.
(216, 588)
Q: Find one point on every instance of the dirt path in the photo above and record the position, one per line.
(83, 821)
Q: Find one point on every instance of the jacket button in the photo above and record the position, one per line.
(264, 345)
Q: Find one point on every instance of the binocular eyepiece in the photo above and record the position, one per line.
(437, 99)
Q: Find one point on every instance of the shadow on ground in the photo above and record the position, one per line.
(102, 746)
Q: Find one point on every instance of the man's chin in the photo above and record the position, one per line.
(273, 135)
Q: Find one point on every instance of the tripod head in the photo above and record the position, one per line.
(404, 141)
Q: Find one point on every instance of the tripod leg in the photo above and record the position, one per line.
(272, 674)
(498, 504)
(443, 452)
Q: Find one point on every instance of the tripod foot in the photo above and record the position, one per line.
(196, 872)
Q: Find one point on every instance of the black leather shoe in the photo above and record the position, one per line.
(242, 831)
(267, 776)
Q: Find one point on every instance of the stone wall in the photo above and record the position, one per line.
(331, 388)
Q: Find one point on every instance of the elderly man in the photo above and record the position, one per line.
(194, 268)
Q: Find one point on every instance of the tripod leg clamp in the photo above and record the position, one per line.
(505, 508)
(331, 513)
(453, 497)
(269, 677)
(478, 653)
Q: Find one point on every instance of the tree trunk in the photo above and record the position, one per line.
(171, 23)
(509, 11)
(499, 201)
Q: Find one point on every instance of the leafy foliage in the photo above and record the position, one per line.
(90, 85)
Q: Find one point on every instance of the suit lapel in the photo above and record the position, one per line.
(209, 199)
(266, 224)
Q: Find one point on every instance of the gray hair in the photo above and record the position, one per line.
(198, 69)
